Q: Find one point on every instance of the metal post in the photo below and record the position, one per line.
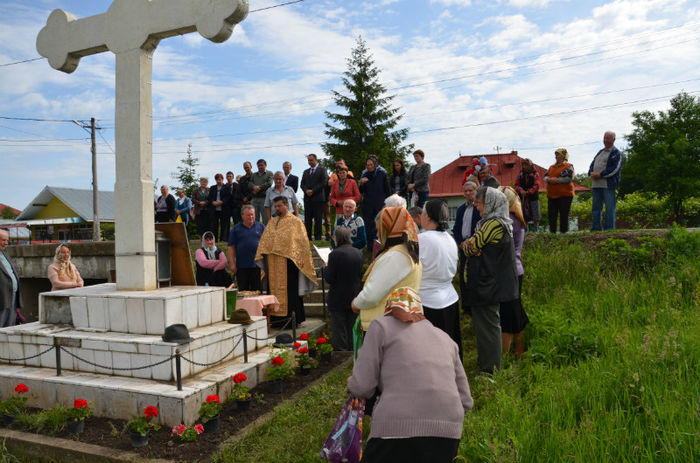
(294, 326)
(57, 346)
(178, 371)
(323, 294)
(95, 201)
(245, 345)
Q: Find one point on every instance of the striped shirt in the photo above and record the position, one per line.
(490, 232)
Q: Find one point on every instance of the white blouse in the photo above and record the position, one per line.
(438, 254)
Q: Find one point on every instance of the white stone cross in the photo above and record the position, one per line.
(132, 29)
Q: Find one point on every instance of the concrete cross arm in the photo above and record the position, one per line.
(131, 24)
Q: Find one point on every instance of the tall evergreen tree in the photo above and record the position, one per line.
(186, 173)
(368, 125)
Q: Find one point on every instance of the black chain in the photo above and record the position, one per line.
(26, 358)
(215, 362)
(115, 368)
(272, 335)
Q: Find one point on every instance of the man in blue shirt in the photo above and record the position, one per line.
(242, 246)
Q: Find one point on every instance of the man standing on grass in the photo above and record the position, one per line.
(242, 246)
(605, 173)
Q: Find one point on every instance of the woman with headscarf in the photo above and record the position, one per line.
(560, 191)
(421, 381)
(438, 254)
(491, 274)
(62, 273)
(527, 186)
(513, 316)
(397, 265)
(211, 263)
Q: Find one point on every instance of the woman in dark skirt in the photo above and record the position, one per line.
(513, 316)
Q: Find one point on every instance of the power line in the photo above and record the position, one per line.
(33, 119)
(20, 62)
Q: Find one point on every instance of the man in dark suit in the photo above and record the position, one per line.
(344, 273)
(313, 184)
(218, 196)
(289, 179)
(465, 224)
(10, 300)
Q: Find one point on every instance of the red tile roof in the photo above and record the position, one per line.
(447, 181)
(5, 206)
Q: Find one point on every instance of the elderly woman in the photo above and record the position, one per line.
(352, 222)
(438, 254)
(345, 188)
(560, 191)
(397, 265)
(513, 316)
(421, 381)
(211, 264)
(344, 273)
(374, 186)
(165, 206)
(491, 274)
(62, 273)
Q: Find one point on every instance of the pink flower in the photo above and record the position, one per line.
(199, 428)
(179, 429)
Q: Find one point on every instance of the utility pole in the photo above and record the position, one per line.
(95, 193)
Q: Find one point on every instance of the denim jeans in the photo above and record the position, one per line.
(607, 197)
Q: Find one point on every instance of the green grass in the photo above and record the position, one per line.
(612, 371)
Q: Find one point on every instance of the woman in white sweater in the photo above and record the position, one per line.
(439, 256)
(423, 390)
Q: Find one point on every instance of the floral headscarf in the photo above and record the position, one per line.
(394, 222)
(496, 207)
(66, 269)
(404, 304)
(513, 203)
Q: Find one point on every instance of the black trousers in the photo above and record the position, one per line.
(217, 225)
(248, 279)
(342, 322)
(411, 450)
(447, 320)
(202, 221)
(559, 207)
(313, 211)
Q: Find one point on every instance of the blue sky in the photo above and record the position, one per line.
(468, 75)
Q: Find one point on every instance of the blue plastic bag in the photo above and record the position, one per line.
(344, 443)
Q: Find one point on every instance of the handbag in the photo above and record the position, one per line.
(344, 443)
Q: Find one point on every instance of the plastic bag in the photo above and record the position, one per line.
(344, 443)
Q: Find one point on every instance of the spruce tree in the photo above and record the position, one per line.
(368, 125)
(186, 173)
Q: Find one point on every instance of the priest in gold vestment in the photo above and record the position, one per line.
(284, 255)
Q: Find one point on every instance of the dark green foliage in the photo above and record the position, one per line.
(186, 173)
(621, 255)
(368, 122)
(664, 152)
(556, 342)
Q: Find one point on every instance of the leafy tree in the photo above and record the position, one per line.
(7, 213)
(368, 124)
(186, 173)
(664, 152)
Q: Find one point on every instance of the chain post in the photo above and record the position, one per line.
(57, 346)
(294, 326)
(245, 345)
(178, 370)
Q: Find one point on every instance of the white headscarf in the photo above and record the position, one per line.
(65, 268)
(496, 207)
(211, 251)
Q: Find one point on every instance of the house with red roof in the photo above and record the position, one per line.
(446, 183)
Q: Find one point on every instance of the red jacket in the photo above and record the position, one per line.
(351, 191)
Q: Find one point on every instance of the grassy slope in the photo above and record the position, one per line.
(612, 372)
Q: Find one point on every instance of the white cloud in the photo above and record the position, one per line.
(459, 3)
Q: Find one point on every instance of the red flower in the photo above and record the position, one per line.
(150, 412)
(179, 429)
(304, 350)
(297, 345)
(277, 361)
(304, 337)
(239, 378)
(213, 398)
(199, 428)
(80, 403)
(21, 388)
(321, 340)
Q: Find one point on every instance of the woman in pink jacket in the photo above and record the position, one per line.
(62, 273)
(211, 264)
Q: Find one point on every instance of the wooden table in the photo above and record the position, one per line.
(255, 305)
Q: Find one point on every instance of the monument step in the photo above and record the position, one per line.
(129, 355)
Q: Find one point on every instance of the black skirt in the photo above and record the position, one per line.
(513, 316)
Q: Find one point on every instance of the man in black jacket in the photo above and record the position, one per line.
(165, 206)
(344, 273)
(289, 179)
(10, 299)
(218, 196)
(313, 184)
(232, 207)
